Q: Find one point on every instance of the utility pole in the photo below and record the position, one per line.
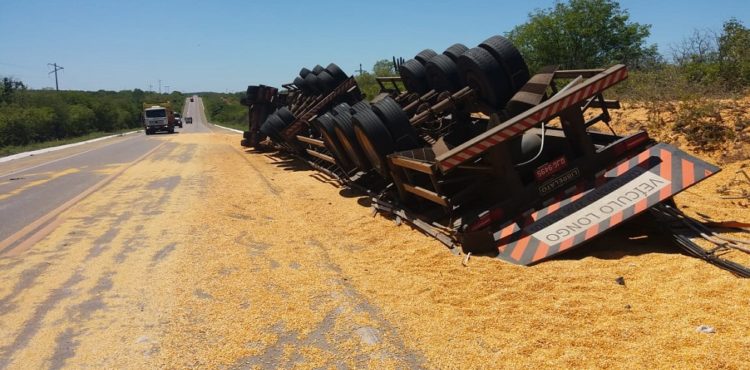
(56, 68)
(360, 70)
(159, 86)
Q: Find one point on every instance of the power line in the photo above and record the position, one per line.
(56, 68)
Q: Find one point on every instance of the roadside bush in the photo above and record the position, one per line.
(32, 116)
(41, 123)
(13, 131)
(81, 119)
(226, 109)
(702, 124)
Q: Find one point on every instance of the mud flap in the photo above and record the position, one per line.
(621, 193)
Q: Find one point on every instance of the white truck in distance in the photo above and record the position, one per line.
(158, 118)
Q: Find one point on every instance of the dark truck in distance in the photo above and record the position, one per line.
(178, 120)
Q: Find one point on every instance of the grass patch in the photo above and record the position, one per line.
(10, 150)
(235, 125)
(226, 110)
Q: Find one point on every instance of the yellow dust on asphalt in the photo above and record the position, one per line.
(202, 256)
(38, 179)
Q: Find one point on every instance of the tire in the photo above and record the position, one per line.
(148, 132)
(480, 71)
(246, 134)
(304, 72)
(338, 75)
(272, 127)
(342, 108)
(311, 81)
(277, 123)
(403, 135)
(286, 115)
(454, 51)
(442, 74)
(326, 82)
(300, 83)
(360, 105)
(265, 129)
(348, 139)
(327, 127)
(414, 76)
(510, 58)
(375, 140)
(425, 56)
(317, 69)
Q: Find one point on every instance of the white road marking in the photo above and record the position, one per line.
(57, 160)
(61, 147)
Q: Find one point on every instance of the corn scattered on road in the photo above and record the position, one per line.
(204, 256)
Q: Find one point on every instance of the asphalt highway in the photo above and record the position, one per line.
(34, 186)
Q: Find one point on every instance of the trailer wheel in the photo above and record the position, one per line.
(317, 69)
(403, 135)
(326, 82)
(360, 105)
(299, 82)
(286, 115)
(425, 56)
(272, 127)
(483, 73)
(325, 124)
(348, 139)
(414, 76)
(311, 81)
(375, 140)
(337, 73)
(510, 58)
(442, 74)
(454, 51)
(304, 72)
(342, 108)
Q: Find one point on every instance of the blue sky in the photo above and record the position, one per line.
(226, 45)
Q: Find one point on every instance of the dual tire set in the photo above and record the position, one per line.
(360, 136)
(319, 80)
(494, 69)
(310, 83)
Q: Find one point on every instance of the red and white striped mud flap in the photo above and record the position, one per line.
(621, 193)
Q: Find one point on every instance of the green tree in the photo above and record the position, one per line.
(367, 84)
(383, 68)
(583, 34)
(734, 54)
(81, 119)
(8, 89)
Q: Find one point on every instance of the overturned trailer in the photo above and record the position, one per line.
(470, 148)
